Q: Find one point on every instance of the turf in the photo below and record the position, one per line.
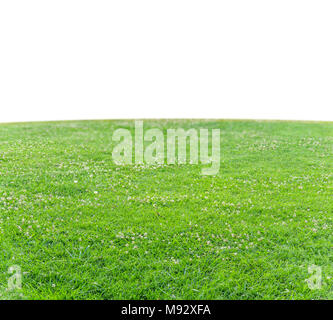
(81, 227)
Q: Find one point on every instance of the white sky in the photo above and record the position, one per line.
(79, 59)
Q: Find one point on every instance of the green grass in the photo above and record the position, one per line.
(166, 232)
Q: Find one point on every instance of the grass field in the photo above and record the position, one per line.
(81, 227)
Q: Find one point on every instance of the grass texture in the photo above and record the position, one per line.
(81, 227)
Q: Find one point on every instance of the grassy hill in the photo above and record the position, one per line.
(81, 227)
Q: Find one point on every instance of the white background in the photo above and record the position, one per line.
(78, 59)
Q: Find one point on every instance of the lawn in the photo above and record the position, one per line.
(81, 227)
